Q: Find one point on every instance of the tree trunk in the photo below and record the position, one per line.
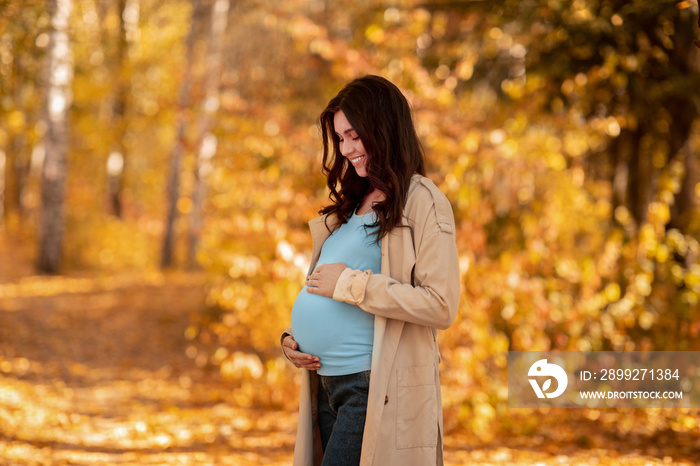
(58, 99)
(15, 165)
(173, 189)
(684, 205)
(639, 183)
(629, 186)
(620, 160)
(207, 140)
(685, 113)
(117, 157)
(17, 153)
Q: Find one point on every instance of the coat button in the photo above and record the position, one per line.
(386, 399)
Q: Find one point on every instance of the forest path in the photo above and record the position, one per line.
(94, 371)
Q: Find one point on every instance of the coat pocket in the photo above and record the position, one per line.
(417, 408)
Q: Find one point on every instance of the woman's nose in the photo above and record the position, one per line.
(346, 149)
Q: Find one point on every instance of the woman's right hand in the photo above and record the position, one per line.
(299, 359)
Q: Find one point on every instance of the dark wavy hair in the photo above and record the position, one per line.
(381, 116)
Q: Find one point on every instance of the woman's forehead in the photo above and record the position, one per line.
(341, 123)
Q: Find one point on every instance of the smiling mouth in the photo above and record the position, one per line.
(356, 159)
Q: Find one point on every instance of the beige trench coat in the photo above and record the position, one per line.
(416, 293)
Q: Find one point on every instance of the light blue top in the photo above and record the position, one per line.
(340, 334)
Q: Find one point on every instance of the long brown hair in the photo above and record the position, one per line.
(381, 116)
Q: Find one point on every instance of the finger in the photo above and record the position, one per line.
(307, 358)
(291, 354)
(307, 361)
(289, 342)
(310, 366)
(301, 358)
(297, 357)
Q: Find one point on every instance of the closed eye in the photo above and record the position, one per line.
(354, 138)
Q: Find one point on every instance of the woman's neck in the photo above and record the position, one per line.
(373, 197)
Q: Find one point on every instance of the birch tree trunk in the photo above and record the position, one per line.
(207, 141)
(173, 189)
(58, 101)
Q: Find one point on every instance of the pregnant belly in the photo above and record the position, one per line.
(329, 329)
(312, 325)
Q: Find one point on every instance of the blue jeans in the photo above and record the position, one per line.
(342, 409)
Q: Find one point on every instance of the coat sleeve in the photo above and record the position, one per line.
(431, 299)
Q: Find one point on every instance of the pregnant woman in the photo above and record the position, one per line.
(384, 278)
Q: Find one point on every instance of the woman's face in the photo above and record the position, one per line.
(350, 143)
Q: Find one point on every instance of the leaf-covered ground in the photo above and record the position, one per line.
(94, 370)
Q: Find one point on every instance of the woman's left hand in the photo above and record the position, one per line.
(322, 281)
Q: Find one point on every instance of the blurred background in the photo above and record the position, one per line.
(159, 161)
